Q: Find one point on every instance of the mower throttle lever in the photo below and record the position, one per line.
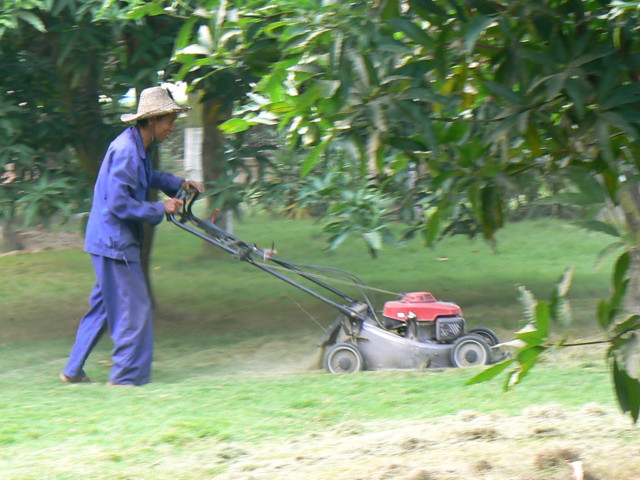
(214, 215)
(267, 253)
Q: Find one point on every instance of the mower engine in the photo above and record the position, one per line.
(419, 316)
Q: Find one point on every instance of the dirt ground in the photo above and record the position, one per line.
(39, 240)
(545, 442)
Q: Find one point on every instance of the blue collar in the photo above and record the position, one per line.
(137, 138)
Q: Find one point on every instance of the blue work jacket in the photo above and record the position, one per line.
(121, 199)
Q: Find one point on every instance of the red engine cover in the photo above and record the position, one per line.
(421, 305)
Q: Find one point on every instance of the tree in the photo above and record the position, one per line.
(214, 61)
(61, 85)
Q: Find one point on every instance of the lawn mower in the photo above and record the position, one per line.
(414, 331)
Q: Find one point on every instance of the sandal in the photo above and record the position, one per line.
(79, 379)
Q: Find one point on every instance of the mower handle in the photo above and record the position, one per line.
(188, 196)
(210, 232)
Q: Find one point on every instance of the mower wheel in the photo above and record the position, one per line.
(487, 335)
(343, 358)
(469, 351)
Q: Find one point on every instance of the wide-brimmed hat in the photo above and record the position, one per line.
(154, 102)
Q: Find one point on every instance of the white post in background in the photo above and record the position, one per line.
(193, 139)
(193, 153)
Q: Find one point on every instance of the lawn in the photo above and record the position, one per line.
(236, 393)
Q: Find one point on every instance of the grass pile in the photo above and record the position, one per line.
(235, 391)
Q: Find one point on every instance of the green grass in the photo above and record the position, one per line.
(233, 346)
(110, 432)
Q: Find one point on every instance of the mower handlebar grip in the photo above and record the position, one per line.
(185, 193)
(188, 195)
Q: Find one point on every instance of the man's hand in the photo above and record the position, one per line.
(172, 205)
(187, 184)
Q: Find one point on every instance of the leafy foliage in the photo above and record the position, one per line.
(622, 329)
(63, 67)
(534, 338)
(485, 100)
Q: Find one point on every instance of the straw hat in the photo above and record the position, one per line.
(154, 102)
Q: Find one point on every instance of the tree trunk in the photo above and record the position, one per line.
(630, 203)
(632, 300)
(149, 234)
(9, 241)
(91, 136)
(213, 164)
(145, 257)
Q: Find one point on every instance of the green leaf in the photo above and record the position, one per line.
(618, 120)
(475, 29)
(308, 98)
(147, 9)
(30, 213)
(278, 107)
(603, 140)
(413, 31)
(620, 383)
(598, 226)
(538, 57)
(543, 315)
(373, 240)
(622, 95)
(527, 358)
(428, 9)
(502, 129)
(312, 158)
(337, 240)
(554, 85)
(185, 33)
(579, 91)
(491, 372)
(235, 125)
(33, 20)
(433, 227)
(504, 92)
(273, 85)
(620, 269)
(627, 391)
(604, 254)
(630, 323)
(492, 210)
(604, 314)
(587, 58)
(390, 9)
(530, 335)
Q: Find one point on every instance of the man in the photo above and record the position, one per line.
(120, 300)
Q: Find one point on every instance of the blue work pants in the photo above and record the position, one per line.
(119, 301)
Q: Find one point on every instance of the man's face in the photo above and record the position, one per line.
(164, 126)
